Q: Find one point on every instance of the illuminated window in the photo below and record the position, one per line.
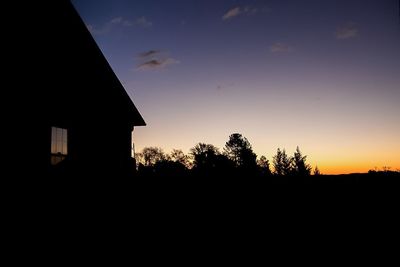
(59, 148)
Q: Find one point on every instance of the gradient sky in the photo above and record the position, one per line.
(323, 75)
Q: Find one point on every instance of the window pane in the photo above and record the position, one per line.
(59, 140)
(64, 143)
(53, 140)
(59, 145)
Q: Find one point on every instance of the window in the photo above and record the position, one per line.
(132, 146)
(59, 146)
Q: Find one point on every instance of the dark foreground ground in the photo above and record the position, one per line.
(160, 190)
(209, 208)
(377, 178)
(372, 178)
(192, 192)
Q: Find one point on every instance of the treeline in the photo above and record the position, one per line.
(237, 158)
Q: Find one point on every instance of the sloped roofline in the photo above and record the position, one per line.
(137, 118)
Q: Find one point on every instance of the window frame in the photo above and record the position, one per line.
(58, 144)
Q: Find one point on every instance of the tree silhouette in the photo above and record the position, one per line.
(300, 167)
(177, 155)
(264, 167)
(282, 163)
(238, 149)
(169, 168)
(151, 155)
(153, 162)
(203, 154)
(316, 171)
(209, 162)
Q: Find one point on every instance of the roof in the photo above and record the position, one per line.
(134, 114)
(86, 83)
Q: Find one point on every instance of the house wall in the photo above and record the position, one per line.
(65, 81)
(101, 149)
(82, 94)
(94, 150)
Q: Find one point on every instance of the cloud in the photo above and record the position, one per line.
(142, 21)
(154, 59)
(223, 86)
(149, 53)
(119, 22)
(232, 13)
(116, 20)
(89, 27)
(250, 10)
(279, 48)
(236, 11)
(156, 64)
(96, 31)
(109, 26)
(347, 31)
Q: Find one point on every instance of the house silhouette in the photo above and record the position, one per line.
(83, 117)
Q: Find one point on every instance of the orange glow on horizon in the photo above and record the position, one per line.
(335, 150)
(346, 169)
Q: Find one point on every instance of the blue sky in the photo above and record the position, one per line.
(323, 75)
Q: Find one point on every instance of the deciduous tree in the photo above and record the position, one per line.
(239, 150)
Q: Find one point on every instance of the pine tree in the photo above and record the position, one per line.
(300, 167)
(282, 163)
(263, 164)
(316, 171)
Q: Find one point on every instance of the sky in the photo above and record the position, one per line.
(321, 75)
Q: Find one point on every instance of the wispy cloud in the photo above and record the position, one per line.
(156, 64)
(97, 31)
(142, 21)
(223, 87)
(149, 53)
(119, 22)
(236, 11)
(154, 59)
(280, 48)
(347, 31)
(90, 27)
(250, 10)
(232, 13)
(109, 26)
